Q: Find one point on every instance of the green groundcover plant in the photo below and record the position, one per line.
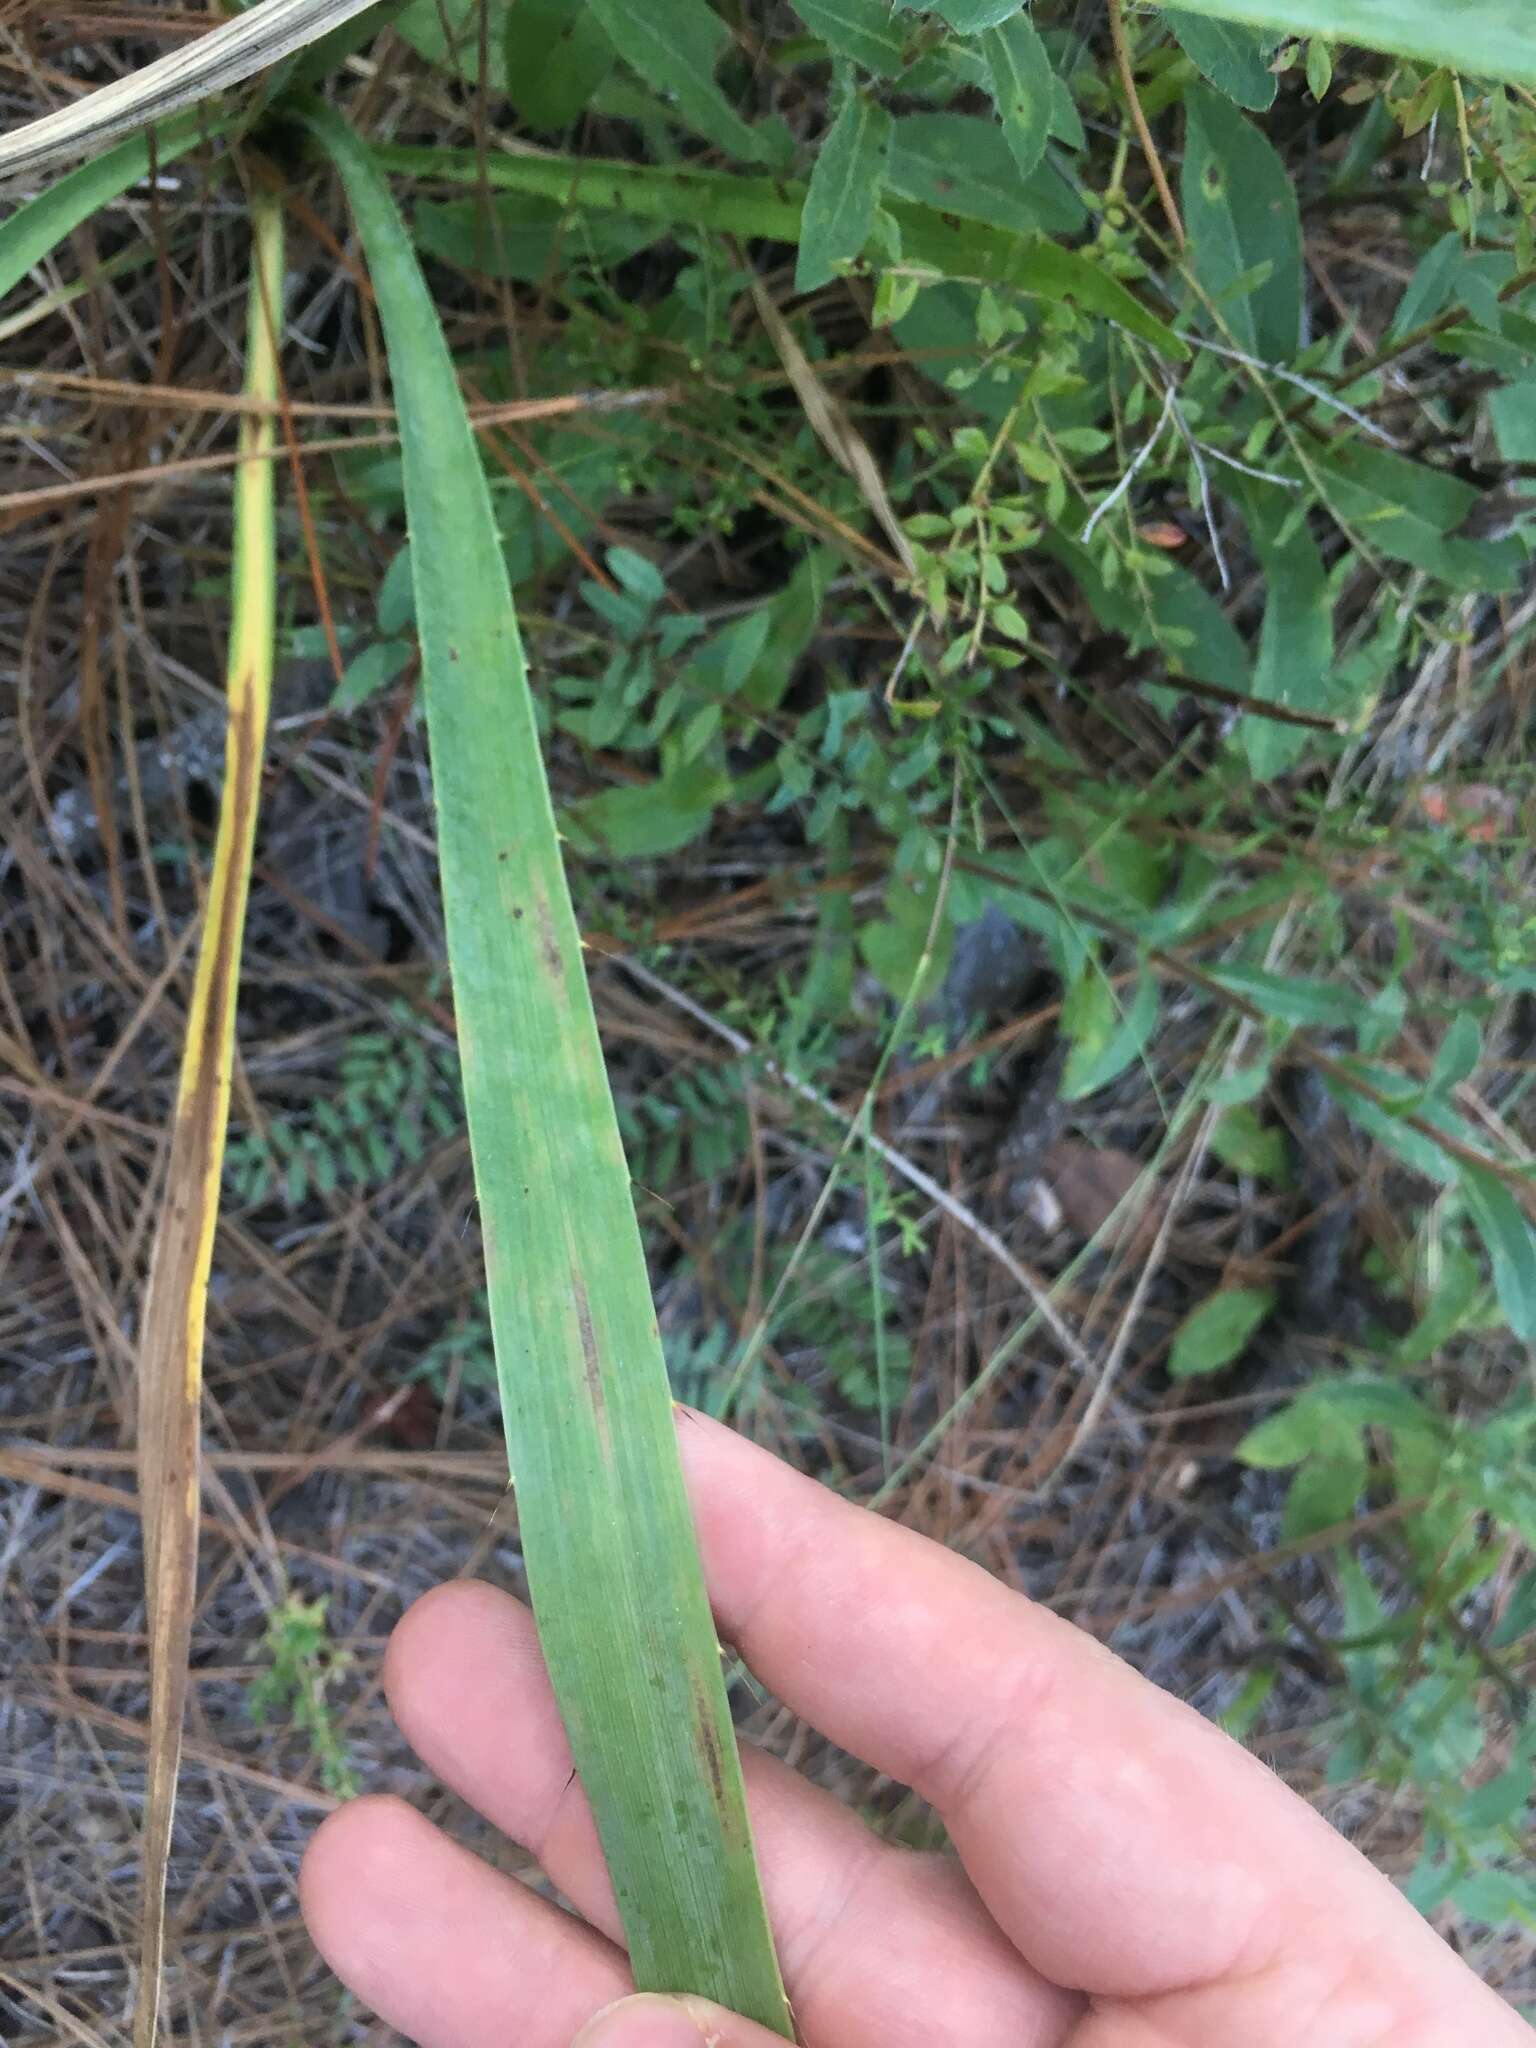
(1096, 257)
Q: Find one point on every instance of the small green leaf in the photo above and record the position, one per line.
(1511, 1246)
(1106, 1035)
(1233, 58)
(644, 820)
(1413, 1147)
(447, 33)
(844, 190)
(893, 946)
(675, 50)
(1491, 1897)
(1241, 212)
(1409, 512)
(1023, 87)
(1291, 999)
(395, 608)
(1449, 1308)
(1458, 1055)
(1214, 1334)
(970, 17)
(860, 30)
(1519, 1616)
(1432, 286)
(1283, 1439)
(1242, 1086)
(557, 57)
(369, 672)
(496, 235)
(1174, 612)
(1247, 1146)
(1325, 1492)
(961, 163)
(1501, 1800)
(1295, 666)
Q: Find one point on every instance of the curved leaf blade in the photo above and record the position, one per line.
(39, 225)
(844, 190)
(1490, 38)
(175, 1301)
(227, 55)
(1235, 59)
(608, 1538)
(737, 204)
(1023, 87)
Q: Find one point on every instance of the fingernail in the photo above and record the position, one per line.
(645, 2021)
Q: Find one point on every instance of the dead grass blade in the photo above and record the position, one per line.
(226, 56)
(834, 429)
(171, 1349)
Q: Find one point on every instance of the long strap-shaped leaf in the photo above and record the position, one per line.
(749, 205)
(28, 234)
(1489, 38)
(613, 1567)
(234, 51)
(171, 1350)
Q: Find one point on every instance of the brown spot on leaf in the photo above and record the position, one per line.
(589, 1356)
(709, 1741)
(552, 959)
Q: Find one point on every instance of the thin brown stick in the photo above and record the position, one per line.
(1139, 122)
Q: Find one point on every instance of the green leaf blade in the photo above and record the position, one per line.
(1212, 1335)
(1241, 211)
(40, 224)
(844, 191)
(1295, 665)
(1510, 1243)
(857, 29)
(1488, 38)
(1235, 59)
(557, 57)
(675, 50)
(737, 204)
(617, 1586)
(1023, 86)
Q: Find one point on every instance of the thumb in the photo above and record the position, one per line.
(649, 2021)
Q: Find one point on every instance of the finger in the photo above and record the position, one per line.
(450, 1952)
(650, 2022)
(878, 1945)
(1125, 1845)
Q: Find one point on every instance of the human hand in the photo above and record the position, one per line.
(1131, 1878)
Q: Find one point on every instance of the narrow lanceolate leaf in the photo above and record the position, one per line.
(1023, 86)
(1511, 1243)
(42, 223)
(858, 29)
(1244, 227)
(171, 1349)
(557, 57)
(844, 190)
(675, 49)
(617, 1587)
(724, 200)
(1295, 666)
(1235, 59)
(1490, 38)
(233, 51)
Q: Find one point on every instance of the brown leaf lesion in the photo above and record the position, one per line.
(591, 1363)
